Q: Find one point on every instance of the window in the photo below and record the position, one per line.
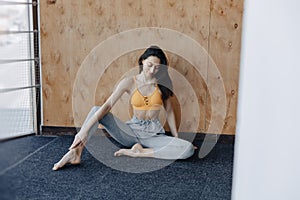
(19, 68)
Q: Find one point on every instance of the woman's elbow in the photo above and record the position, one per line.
(106, 108)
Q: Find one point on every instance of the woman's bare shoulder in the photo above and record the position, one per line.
(127, 82)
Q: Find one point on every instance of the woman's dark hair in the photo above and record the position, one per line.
(163, 79)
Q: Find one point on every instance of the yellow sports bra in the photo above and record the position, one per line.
(151, 102)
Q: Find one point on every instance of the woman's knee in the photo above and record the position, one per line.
(189, 151)
(95, 108)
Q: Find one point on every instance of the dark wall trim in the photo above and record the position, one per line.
(36, 39)
(58, 130)
(221, 139)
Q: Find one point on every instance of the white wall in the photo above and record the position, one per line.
(267, 150)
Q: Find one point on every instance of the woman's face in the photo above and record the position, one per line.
(151, 65)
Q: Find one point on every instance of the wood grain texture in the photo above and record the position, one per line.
(71, 32)
(224, 48)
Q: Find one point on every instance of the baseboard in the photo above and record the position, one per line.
(59, 130)
(220, 138)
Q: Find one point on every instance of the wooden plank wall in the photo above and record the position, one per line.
(70, 30)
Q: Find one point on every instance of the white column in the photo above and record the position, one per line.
(267, 150)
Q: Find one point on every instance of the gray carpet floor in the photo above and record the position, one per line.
(26, 173)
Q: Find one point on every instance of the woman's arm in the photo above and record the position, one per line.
(122, 87)
(171, 117)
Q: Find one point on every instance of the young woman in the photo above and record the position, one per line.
(143, 134)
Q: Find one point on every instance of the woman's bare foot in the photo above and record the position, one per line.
(133, 152)
(72, 157)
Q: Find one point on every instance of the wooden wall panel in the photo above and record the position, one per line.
(70, 30)
(224, 48)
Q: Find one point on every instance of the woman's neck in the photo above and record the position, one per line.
(147, 79)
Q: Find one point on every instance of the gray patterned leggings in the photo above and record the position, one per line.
(165, 147)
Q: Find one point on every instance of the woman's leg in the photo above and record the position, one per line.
(115, 127)
(170, 148)
(162, 147)
(137, 150)
(73, 156)
(118, 130)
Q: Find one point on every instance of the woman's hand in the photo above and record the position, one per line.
(80, 138)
